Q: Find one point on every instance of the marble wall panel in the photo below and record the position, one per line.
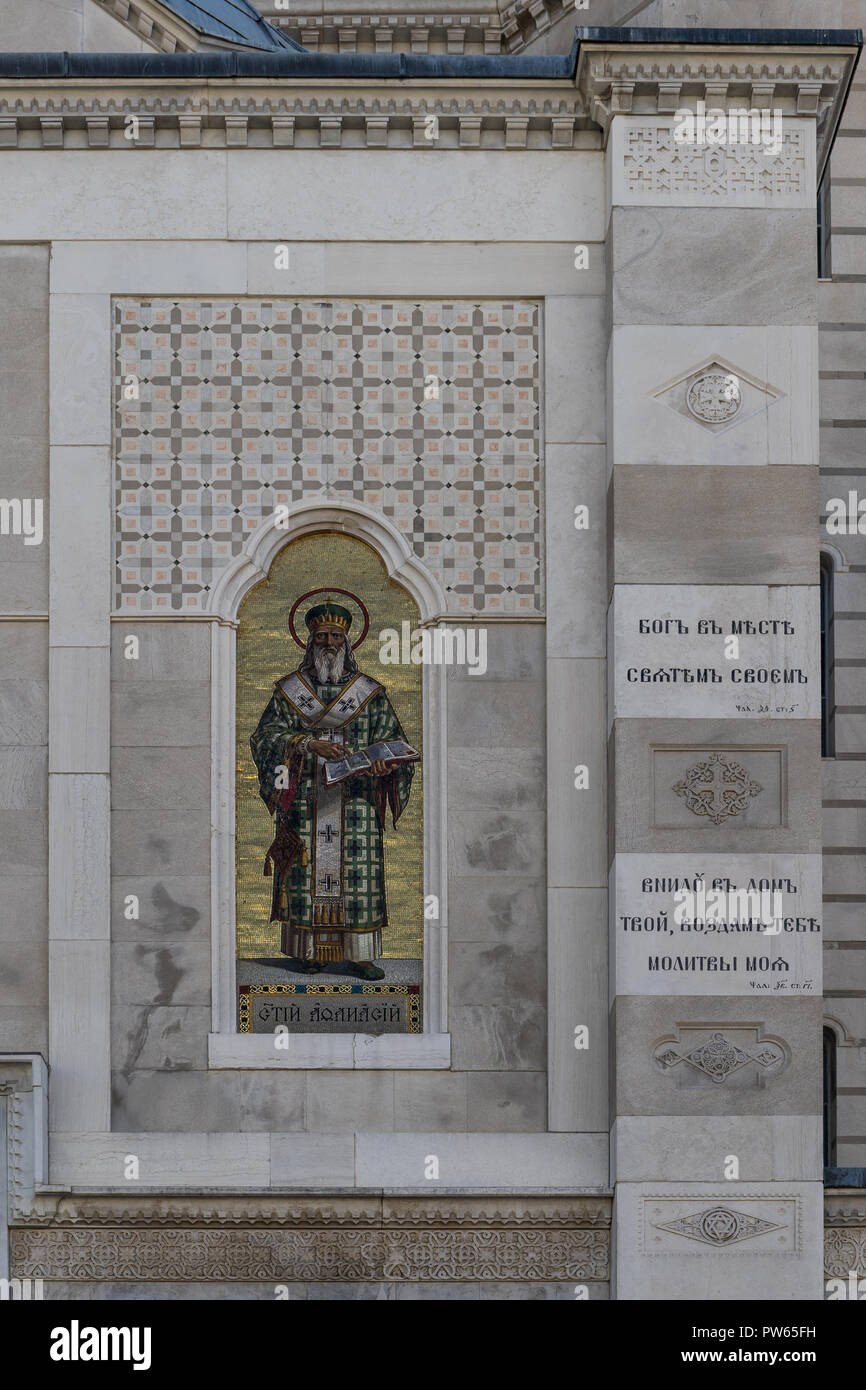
(760, 1241)
(668, 939)
(715, 784)
(770, 415)
(761, 271)
(723, 1055)
(788, 645)
(713, 525)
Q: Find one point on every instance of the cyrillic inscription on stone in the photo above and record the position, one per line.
(370, 1008)
(717, 924)
(716, 651)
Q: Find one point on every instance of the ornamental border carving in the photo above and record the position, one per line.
(844, 1250)
(243, 1255)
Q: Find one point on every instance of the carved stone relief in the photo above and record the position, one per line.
(717, 788)
(705, 1055)
(715, 395)
(680, 1224)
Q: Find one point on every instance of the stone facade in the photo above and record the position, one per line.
(629, 464)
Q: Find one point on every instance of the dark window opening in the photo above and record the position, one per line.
(824, 271)
(827, 699)
(829, 1098)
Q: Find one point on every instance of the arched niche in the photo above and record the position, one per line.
(240, 578)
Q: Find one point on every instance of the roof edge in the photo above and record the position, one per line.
(284, 63)
(294, 63)
(718, 38)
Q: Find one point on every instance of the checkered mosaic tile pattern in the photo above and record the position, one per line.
(427, 412)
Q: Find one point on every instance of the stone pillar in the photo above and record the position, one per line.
(713, 659)
(24, 1135)
(79, 761)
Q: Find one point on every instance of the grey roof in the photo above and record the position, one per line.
(235, 21)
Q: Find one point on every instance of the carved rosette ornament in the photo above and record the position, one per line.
(717, 788)
(714, 397)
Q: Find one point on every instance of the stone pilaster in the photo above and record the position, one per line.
(714, 681)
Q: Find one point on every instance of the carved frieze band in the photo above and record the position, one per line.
(844, 1250)
(164, 1254)
(80, 117)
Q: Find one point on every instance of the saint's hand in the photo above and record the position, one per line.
(379, 768)
(323, 749)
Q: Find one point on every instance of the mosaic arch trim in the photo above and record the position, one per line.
(426, 412)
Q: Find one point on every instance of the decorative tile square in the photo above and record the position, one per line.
(427, 412)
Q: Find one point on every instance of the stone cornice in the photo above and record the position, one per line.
(163, 29)
(657, 78)
(483, 102)
(148, 20)
(525, 20)
(508, 28)
(333, 1211)
(847, 1209)
(82, 113)
(413, 31)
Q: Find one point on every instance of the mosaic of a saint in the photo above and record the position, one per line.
(332, 761)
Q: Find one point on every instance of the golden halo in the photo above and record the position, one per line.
(329, 589)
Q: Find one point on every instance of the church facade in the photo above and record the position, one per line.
(431, 594)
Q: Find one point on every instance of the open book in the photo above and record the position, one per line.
(394, 752)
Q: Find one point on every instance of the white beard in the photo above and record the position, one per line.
(329, 665)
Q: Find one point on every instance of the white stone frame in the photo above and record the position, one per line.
(227, 1047)
(85, 275)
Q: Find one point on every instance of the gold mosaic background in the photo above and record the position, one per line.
(266, 652)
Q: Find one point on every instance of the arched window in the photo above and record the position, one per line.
(829, 1098)
(827, 698)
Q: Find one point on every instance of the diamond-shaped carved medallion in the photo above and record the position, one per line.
(717, 395)
(720, 1226)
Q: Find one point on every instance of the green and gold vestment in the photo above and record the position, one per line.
(327, 856)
